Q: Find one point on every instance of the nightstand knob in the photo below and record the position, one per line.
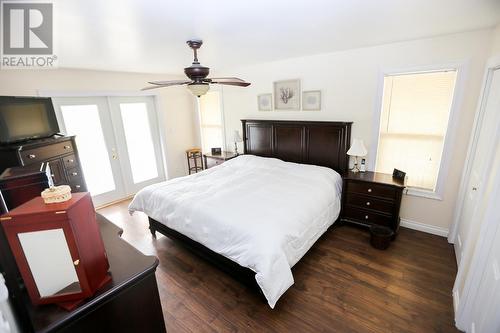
(366, 217)
(368, 203)
(74, 173)
(369, 190)
(31, 156)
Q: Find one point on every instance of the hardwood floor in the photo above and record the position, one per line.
(341, 285)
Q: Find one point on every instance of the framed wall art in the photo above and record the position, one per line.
(265, 102)
(311, 100)
(287, 95)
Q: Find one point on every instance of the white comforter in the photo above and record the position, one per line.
(262, 213)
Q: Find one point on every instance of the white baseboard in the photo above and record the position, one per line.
(456, 300)
(430, 229)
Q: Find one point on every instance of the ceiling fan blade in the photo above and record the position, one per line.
(169, 83)
(152, 87)
(225, 78)
(165, 84)
(233, 83)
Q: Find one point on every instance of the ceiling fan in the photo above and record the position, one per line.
(198, 83)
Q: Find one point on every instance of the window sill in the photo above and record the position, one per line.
(415, 192)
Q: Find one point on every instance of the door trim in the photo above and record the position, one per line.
(490, 228)
(493, 63)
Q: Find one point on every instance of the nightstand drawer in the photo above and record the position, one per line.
(369, 203)
(211, 162)
(367, 217)
(377, 190)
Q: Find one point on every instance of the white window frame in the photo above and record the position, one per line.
(451, 131)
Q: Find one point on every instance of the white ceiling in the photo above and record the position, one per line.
(149, 35)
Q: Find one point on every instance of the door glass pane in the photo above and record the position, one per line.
(84, 122)
(54, 276)
(139, 141)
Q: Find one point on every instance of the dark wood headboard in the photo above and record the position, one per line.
(323, 143)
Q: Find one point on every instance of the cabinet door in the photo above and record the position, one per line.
(57, 172)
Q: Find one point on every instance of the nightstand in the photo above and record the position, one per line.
(371, 198)
(216, 159)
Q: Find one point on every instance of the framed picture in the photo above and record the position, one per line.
(311, 100)
(265, 102)
(287, 95)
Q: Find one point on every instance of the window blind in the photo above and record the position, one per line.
(211, 121)
(413, 125)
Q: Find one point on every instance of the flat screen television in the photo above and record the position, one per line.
(25, 118)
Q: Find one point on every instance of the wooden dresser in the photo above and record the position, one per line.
(59, 152)
(371, 198)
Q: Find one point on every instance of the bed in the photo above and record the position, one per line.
(256, 215)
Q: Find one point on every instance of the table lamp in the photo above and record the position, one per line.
(357, 149)
(236, 138)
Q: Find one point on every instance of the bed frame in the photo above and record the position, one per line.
(322, 143)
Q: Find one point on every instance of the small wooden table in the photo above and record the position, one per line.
(371, 198)
(130, 303)
(212, 160)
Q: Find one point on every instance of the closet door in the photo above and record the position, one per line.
(481, 162)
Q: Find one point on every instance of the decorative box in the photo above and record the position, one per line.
(58, 249)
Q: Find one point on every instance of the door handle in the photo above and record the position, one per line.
(474, 188)
(114, 155)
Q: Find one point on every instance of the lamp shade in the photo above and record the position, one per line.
(198, 89)
(237, 137)
(357, 148)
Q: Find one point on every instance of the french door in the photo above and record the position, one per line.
(118, 141)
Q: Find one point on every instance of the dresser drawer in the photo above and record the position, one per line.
(77, 185)
(369, 202)
(372, 189)
(74, 174)
(40, 154)
(70, 161)
(365, 216)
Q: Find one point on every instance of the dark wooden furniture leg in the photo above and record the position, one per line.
(152, 229)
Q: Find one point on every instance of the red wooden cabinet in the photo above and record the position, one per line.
(58, 249)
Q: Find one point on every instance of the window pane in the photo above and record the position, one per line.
(418, 103)
(210, 109)
(211, 121)
(413, 124)
(83, 121)
(139, 141)
(211, 138)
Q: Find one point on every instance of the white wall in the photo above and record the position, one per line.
(495, 45)
(177, 111)
(349, 81)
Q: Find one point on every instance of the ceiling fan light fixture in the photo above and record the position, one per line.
(198, 89)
